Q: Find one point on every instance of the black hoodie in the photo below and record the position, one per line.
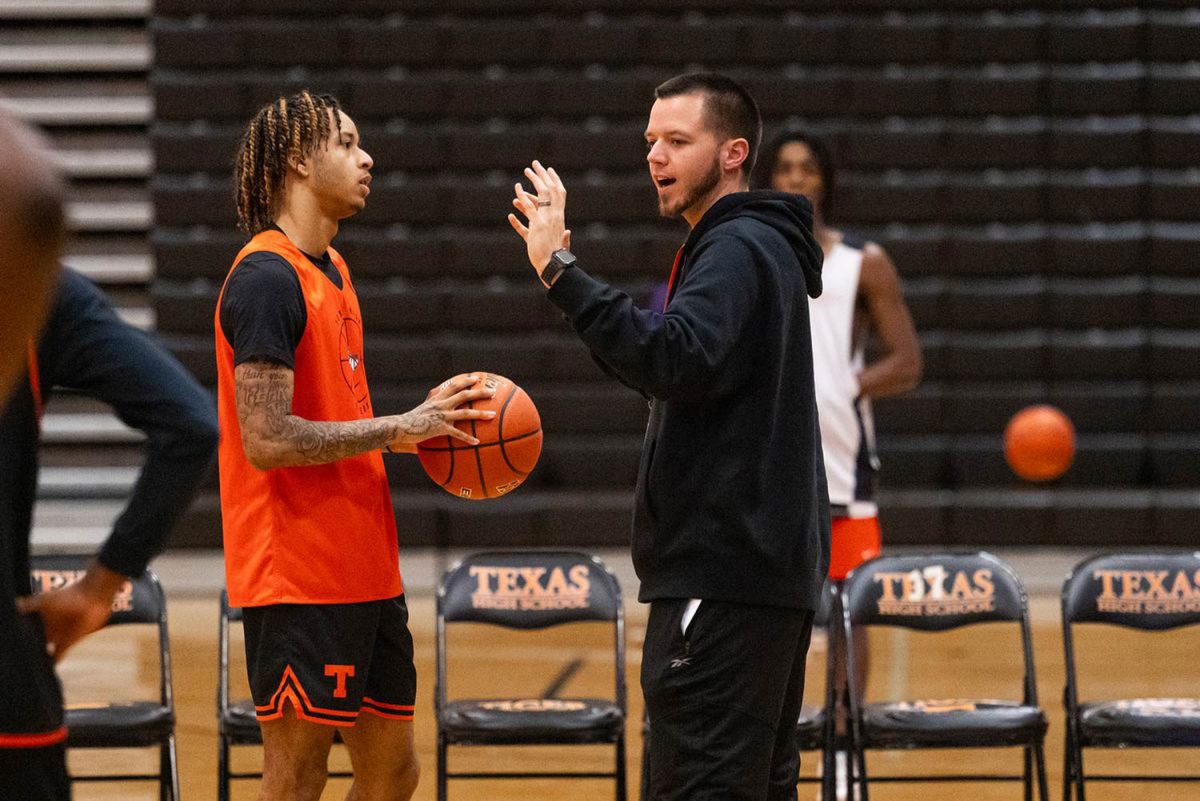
(731, 497)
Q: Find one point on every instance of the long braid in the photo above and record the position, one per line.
(291, 125)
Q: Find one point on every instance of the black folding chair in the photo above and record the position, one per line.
(1149, 592)
(237, 723)
(938, 593)
(126, 724)
(530, 590)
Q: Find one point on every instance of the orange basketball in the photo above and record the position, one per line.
(509, 446)
(1039, 443)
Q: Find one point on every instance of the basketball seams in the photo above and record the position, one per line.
(530, 449)
(504, 441)
(478, 458)
(503, 451)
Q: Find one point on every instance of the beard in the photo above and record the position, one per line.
(693, 195)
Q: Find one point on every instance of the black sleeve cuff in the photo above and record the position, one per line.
(573, 290)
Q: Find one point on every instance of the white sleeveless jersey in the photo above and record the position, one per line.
(847, 426)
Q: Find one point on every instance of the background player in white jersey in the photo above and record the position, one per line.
(862, 298)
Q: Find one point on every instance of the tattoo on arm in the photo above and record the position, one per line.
(274, 437)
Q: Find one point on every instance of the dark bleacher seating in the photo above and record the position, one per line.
(1175, 460)
(1093, 36)
(1174, 247)
(903, 414)
(1011, 142)
(1171, 35)
(1175, 354)
(997, 356)
(997, 250)
(1095, 88)
(1173, 88)
(794, 39)
(921, 249)
(1014, 89)
(994, 196)
(996, 303)
(985, 408)
(1095, 195)
(1097, 142)
(894, 143)
(995, 36)
(1099, 248)
(892, 38)
(1173, 141)
(1096, 302)
(687, 41)
(1102, 405)
(1030, 169)
(1174, 195)
(893, 195)
(919, 461)
(1101, 519)
(1170, 404)
(895, 90)
(1097, 354)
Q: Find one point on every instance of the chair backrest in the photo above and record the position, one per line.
(140, 600)
(934, 591)
(1147, 591)
(529, 590)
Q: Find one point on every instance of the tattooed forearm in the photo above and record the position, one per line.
(274, 437)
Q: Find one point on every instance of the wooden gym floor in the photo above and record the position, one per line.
(980, 662)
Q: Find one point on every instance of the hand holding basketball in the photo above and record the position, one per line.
(445, 405)
(503, 452)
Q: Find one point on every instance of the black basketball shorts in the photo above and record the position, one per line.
(331, 662)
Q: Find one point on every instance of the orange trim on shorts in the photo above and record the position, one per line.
(394, 711)
(387, 715)
(290, 689)
(853, 540)
(39, 740)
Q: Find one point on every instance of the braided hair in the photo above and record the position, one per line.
(291, 125)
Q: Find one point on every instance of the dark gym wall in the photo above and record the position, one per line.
(1031, 168)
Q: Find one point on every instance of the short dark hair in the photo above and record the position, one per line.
(820, 151)
(729, 110)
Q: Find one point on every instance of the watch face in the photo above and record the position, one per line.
(565, 257)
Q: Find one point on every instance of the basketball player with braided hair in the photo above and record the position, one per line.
(310, 536)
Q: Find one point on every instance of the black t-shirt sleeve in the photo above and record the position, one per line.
(87, 348)
(262, 311)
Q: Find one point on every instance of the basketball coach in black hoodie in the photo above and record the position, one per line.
(731, 525)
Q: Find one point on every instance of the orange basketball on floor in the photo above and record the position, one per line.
(1039, 443)
(509, 446)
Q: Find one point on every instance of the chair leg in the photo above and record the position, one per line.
(441, 769)
(1077, 754)
(1068, 774)
(1039, 756)
(1027, 773)
(828, 767)
(858, 774)
(222, 769)
(620, 777)
(173, 761)
(164, 773)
